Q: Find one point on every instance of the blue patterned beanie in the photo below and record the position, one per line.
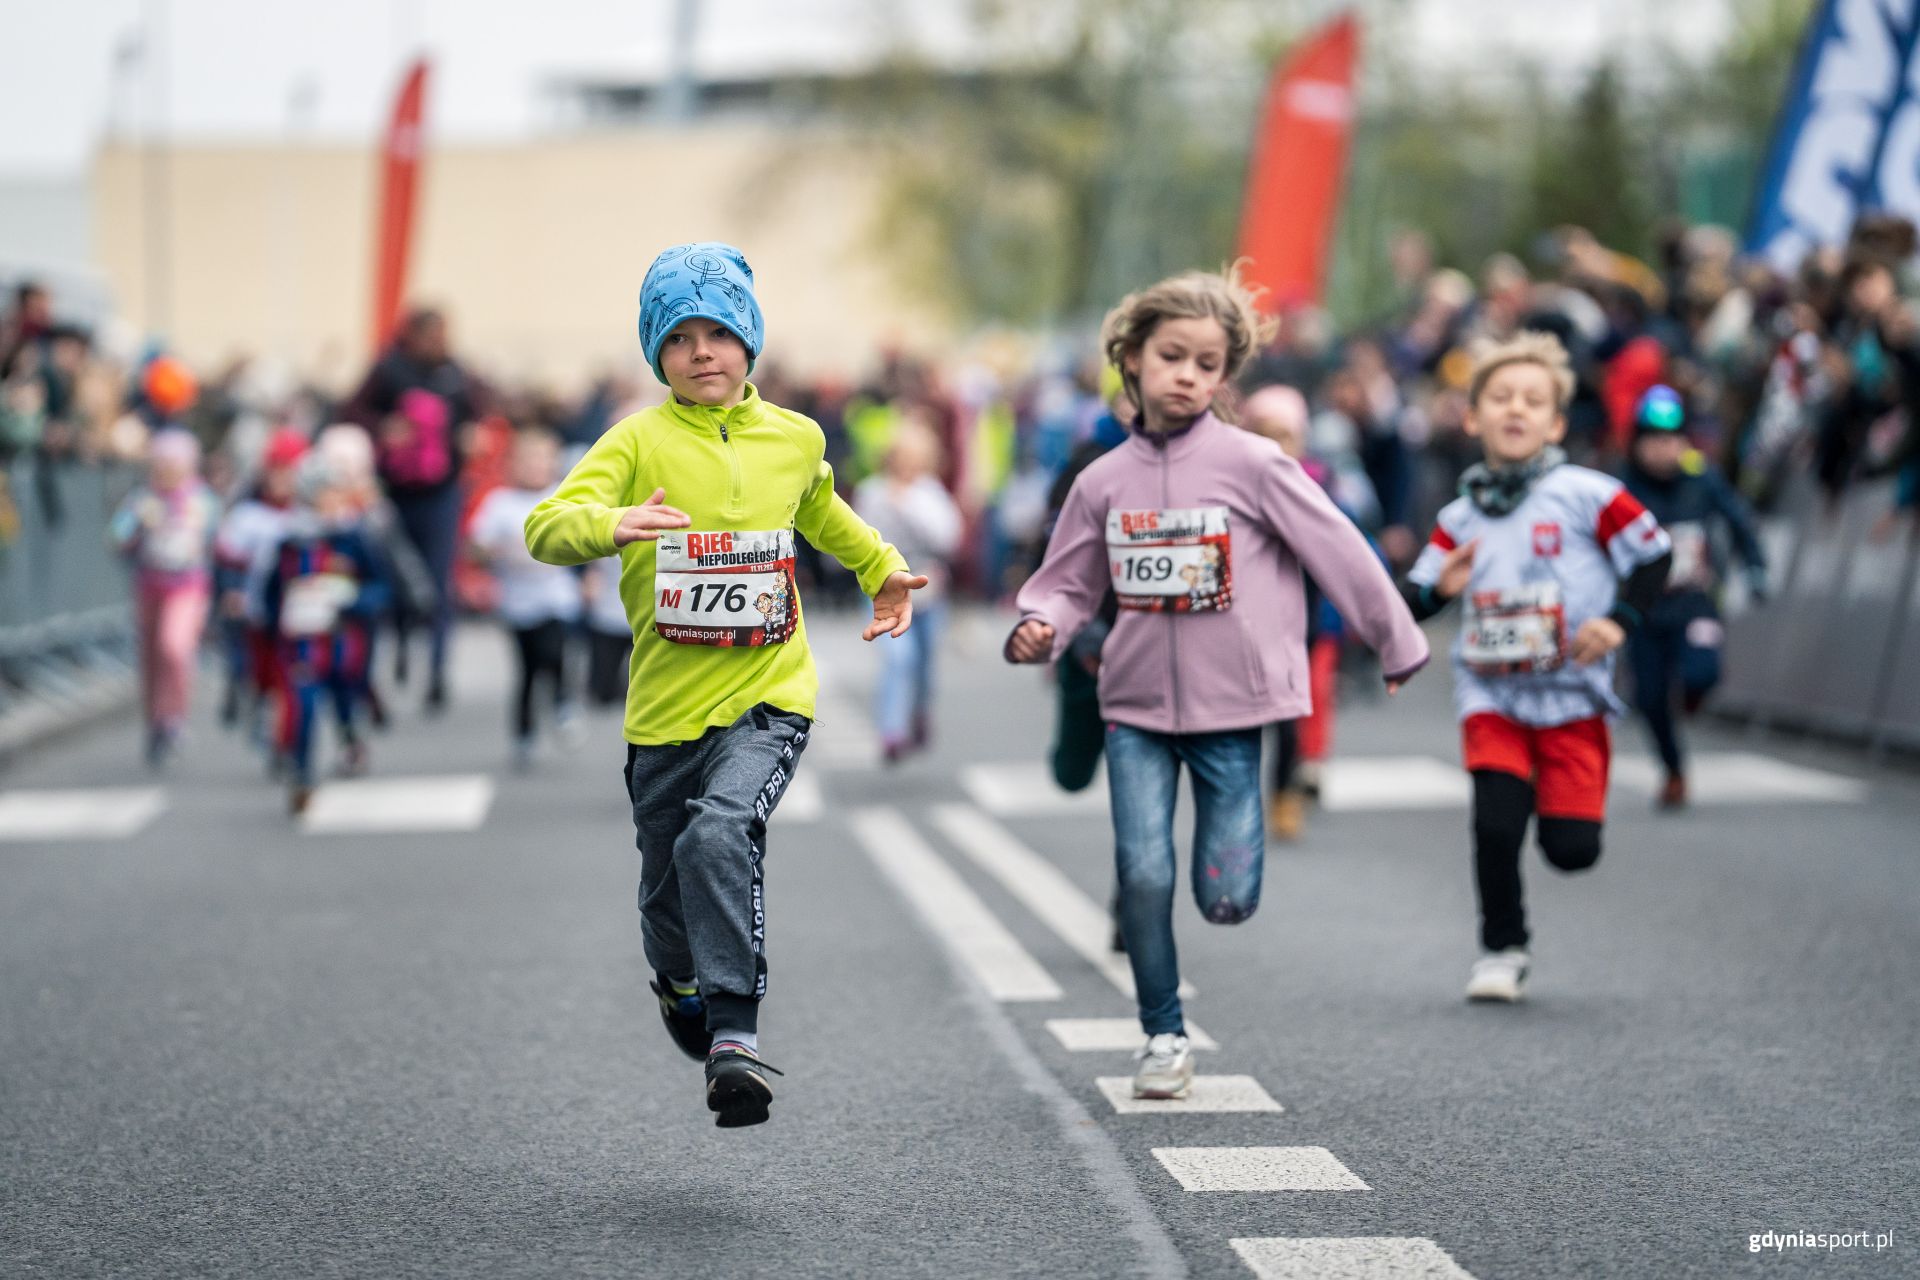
(710, 280)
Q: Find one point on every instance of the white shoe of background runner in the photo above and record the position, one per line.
(1499, 975)
(1166, 1067)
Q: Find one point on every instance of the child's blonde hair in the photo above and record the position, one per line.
(1529, 346)
(1192, 295)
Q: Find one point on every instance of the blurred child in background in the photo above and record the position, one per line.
(324, 591)
(166, 529)
(911, 508)
(347, 450)
(1302, 746)
(539, 603)
(242, 553)
(609, 635)
(1675, 652)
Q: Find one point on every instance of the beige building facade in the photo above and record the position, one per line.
(536, 251)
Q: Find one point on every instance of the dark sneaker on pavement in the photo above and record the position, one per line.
(686, 1019)
(737, 1090)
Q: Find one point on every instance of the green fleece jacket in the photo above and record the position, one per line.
(753, 467)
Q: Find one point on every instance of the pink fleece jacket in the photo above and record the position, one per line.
(1245, 665)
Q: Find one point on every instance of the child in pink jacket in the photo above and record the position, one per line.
(165, 528)
(1202, 530)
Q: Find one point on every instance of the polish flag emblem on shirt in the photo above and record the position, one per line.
(1546, 540)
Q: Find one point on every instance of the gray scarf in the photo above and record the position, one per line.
(1497, 491)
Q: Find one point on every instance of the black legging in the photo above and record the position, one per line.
(543, 651)
(1286, 754)
(1502, 806)
(608, 657)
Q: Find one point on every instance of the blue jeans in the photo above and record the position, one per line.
(1229, 846)
(903, 699)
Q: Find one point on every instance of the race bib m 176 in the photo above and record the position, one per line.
(732, 589)
(1178, 560)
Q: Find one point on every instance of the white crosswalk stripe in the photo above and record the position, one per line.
(367, 806)
(1113, 1035)
(1359, 784)
(843, 736)
(803, 802)
(1348, 1258)
(1392, 782)
(1026, 789)
(90, 813)
(1209, 1093)
(951, 910)
(1042, 888)
(1743, 777)
(1257, 1169)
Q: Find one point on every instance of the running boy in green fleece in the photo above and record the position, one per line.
(721, 689)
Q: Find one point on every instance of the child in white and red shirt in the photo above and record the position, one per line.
(1557, 564)
(243, 548)
(539, 603)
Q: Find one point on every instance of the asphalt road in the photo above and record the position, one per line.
(234, 1046)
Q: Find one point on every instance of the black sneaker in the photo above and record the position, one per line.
(737, 1093)
(686, 1019)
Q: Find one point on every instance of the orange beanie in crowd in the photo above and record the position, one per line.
(169, 385)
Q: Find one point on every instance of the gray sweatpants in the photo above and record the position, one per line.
(700, 813)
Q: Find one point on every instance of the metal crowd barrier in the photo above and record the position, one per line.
(1836, 649)
(66, 619)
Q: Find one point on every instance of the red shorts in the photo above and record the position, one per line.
(1566, 764)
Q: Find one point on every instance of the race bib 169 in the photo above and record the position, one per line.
(1173, 561)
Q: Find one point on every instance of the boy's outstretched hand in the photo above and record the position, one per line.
(1596, 638)
(1456, 571)
(644, 522)
(893, 605)
(1031, 641)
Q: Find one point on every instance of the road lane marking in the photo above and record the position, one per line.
(1042, 888)
(1392, 782)
(843, 735)
(1388, 783)
(1257, 1169)
(951, 910)
(455, 802)
(1348, 1258)
(803, 801)
(1743, 777)
(1112, 1035)
(1158, 1257)
(1026, 789)
(1209, 1093)
(89, 813)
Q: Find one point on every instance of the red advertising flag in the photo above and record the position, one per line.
(399, 177)
(1299, 158)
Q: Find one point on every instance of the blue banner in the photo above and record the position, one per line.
(1848, 137)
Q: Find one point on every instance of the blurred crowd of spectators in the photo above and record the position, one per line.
(1815, 376)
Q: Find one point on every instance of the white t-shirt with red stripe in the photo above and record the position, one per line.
(1574, 536)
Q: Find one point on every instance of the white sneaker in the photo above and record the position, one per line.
(1166, 1067)
(1499, 975)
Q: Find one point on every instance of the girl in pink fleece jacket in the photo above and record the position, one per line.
(1202, 531)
